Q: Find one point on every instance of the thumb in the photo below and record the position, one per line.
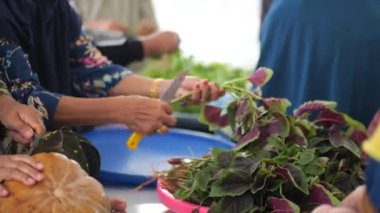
(35, 122)
(23, 129)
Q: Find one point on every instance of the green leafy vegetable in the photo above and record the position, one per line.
(281, 163)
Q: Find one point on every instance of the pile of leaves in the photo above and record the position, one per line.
(282, 163)
(169, 66)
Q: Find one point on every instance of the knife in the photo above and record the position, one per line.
(168, 95)
(35, 142)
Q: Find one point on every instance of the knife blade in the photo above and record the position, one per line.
(169, 94)
(35, 142)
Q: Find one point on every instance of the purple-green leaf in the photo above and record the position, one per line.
(232, 183)
(277, 104)
(249, 137)
(320, 195)
(212, 115)
(338, 140)
(328, 117)
(261, 76)
(242, 203)
(282, 205)
(296, 176)
(246, 164)
(312, 106)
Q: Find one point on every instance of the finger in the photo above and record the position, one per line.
(322, 209)
(197, 93)
(3, 191)
(34, 120)
(23, 129)
(19, 138)
(205, 91)
(118, 205)
(169, 120)
(163, 130)
(352, 200)
(14, 174)
(28, 160)
(214, 91)
(167, 108)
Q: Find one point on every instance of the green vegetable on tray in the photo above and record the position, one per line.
(281, 163)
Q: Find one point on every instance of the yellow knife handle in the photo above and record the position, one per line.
(134, 140)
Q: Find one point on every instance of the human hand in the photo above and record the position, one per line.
(143, 115)
(22, 120)
(163, 42)
(201, 90)
(21, 168)
(146, 27)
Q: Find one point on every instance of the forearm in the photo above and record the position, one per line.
(137, 85)
(85, 111)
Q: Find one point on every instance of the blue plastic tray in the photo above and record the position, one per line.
(122, 166)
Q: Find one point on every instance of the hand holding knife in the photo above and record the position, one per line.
(135, 138)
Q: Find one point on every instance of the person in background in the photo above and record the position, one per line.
(133, 17)
(126, 31)
(22, 122)
(321, 49)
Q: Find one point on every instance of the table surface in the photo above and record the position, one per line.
(142, 201)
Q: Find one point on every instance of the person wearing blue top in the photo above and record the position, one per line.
(323, 49)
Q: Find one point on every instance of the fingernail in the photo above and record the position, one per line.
(40, 166)
(39, 177)
(3, 192)
(30, 180)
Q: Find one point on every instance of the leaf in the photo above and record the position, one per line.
(319, 195)
(357, 136)
(261, 76)
(259, 183)
(233, 183)
(328, 117)
(282, 205)
(338, 140)
(249, 137)
(212, 115)
(276, 104)
(306, 157)
(296, 136)
(225, 158)
(297, 177)
(239, 204)
(315, 168)
(203, 177)
(246, 164)
(313, 106)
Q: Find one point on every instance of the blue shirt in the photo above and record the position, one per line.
(324, 49)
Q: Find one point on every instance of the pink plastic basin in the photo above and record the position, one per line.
(176, 205)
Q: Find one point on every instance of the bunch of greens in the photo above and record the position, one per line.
(171, 65)
(282, 163)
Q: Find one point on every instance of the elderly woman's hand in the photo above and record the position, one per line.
(22, 120)
(143, 115)
(201, 90)
(22, 168)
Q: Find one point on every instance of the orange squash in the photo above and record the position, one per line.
(66, 188)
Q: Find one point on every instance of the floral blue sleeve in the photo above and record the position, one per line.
(93, 74)
(22, 83)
